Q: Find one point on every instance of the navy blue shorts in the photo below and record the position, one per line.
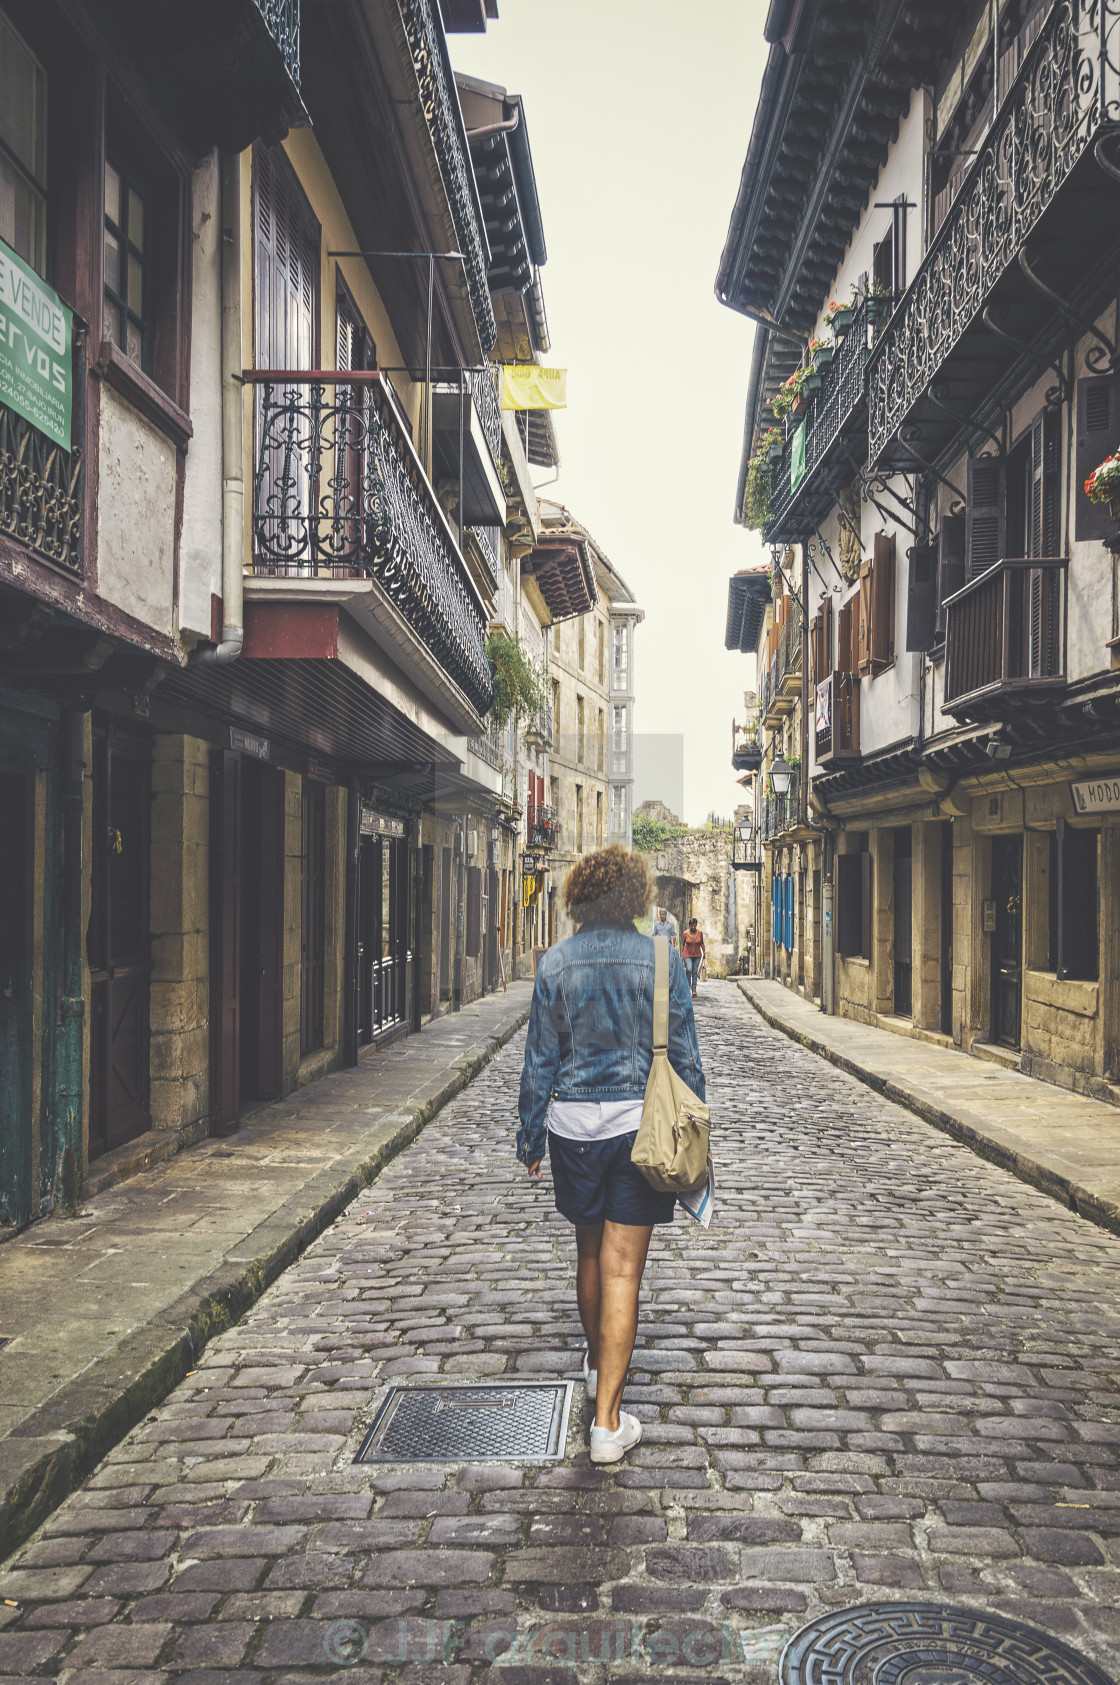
(595, 1182)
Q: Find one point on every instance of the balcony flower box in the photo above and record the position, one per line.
(838, 317)
(812, 384)
(775, 450)
(1103, 485)
(822, 357)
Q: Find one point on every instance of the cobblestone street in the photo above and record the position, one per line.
(889, 1370)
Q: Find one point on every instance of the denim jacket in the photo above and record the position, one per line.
(591, 1027)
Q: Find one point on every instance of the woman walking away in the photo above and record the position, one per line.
(693, 947)
(587, 1059)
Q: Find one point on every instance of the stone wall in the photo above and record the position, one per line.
(694, 879)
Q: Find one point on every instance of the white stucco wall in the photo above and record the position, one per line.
(200, 548)
(135, 514)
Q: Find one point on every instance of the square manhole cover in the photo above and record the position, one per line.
(501, 1423)
(5, 1340)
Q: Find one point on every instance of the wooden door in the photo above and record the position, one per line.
(492, 894)
(945, 1022)
(1007, 941)
(226, 863)
(120, 943)
(445, 925)
(903, 921)
(313, 923)
(368, 957)
(262, 932)
(16, 990)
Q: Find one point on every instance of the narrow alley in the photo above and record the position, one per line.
(888, 1368)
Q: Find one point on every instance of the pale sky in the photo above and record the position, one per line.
(639, 113)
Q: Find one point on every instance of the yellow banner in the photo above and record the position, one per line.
(526, 387)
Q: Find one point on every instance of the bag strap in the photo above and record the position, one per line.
(661, 994)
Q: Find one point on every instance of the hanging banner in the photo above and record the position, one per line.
(526, 387)
(797, 459)
(36, 332)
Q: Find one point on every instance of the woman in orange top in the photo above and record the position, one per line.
(692, 952)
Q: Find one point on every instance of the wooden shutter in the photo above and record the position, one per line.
(826, 638)
(1044, 523)
(882, 603)
(985, 538)
(865, 609)
(1078, 912)
(865, 885)
(1098, 424)
(287, 265)
(950, 564)
(814, 650)
(921, 609)
(848, 903)
(474, 911)
(845, 652)
(776, 909)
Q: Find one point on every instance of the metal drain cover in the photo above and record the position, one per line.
(501, 1423)
(929, 1644)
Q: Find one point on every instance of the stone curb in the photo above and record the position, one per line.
(986, 1139)
(93, 1413)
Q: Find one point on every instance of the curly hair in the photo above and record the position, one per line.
(611, 886)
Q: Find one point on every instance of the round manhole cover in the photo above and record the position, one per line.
(929, 1644)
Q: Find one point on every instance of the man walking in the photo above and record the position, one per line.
(664, 924)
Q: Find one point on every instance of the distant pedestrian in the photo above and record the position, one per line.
(587, 1061)
(693, 954)
(664, 924)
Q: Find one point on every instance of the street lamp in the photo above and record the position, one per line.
(781, 776)
(746, 826)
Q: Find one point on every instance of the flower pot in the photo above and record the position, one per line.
(823, 357)
(842, 321)
(776, 451)
(1114, 506)
(798, 405)
(878, 308)
(812, 384)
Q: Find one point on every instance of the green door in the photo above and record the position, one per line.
(16, 995)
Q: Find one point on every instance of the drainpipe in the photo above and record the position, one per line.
(71, 1006)
(228, 647)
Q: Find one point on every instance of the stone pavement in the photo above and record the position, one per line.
(1064, 1143)
(889, 1370)
(105, 1312)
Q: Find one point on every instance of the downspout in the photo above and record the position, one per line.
(229, 645)
(71, 1006)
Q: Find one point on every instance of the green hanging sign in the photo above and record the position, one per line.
(797, 459)
(36, 333)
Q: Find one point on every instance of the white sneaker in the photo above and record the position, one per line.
(590, 1376)
(608, 1447)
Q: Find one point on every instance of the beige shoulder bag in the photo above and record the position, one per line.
(671, 1147)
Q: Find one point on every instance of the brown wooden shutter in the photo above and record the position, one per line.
(1078, 913)
(865, 887)
(882, 600)
(814, 649)
(1051, 526)
(844, 637)
(826, 638)
(921, 610)
(950, 564)
(866, 605)
(474, 911)
(1098, 424)
(286, 265)
(986, 518)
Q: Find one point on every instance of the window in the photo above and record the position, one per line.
(23, 149)
(474, 911)
(600, 740)
(1074, 903)
(853, 899)
(876, 608)
(582, 641)
(602, 653)
(553, 796)
(620, 662)
(127, 285)
(579, 818)
(579, 729)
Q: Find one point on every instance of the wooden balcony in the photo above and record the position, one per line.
(1005, 636)
(837, 720)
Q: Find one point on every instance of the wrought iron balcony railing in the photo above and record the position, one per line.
(538, 730)
(487, 540)
(746, 750)
(1065, 94)
(488, 748)
(484, 391)
(1005, 633)
(827, 418)
(42, 485)
(544, 828)
(441, 109)
(339, 493)
(837, 719)
(282, 18)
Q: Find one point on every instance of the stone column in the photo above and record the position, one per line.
(180, 929)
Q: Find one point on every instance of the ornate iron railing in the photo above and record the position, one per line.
(544, 828)
(487, 746)
(339, 492)
(441, 110)
(487, 540)
(282, 18)
(484, 391)
(1067, 88)
(842, 394)
(41, 485)
(1006, 630)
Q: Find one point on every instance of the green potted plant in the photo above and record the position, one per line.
(773, 443)
(756, 503)
(787, 400)
(821, 352)
(838, 317)
(879, 300)
(1103, 484)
